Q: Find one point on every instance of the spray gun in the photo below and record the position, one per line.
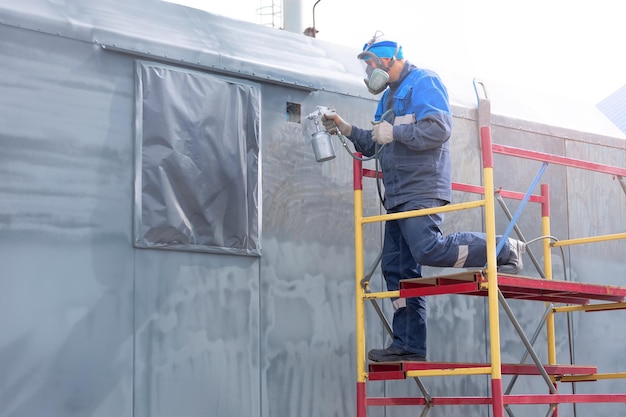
(321, 140)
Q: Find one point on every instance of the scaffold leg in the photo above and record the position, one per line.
(498, 399)
(361, 409)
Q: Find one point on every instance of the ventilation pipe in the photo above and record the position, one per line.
(292, 16)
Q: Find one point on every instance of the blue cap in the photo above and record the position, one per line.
(385, 49)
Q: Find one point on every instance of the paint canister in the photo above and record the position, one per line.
(322, 146)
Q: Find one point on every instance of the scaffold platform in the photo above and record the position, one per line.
(514, 287)
(382, 371)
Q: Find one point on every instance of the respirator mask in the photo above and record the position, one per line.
(377, 76)
(377, 72)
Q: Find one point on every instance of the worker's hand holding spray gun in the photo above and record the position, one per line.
(321, 140)
(382, 131)
(335, 124)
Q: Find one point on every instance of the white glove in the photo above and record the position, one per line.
(335, 124)
(382, 133)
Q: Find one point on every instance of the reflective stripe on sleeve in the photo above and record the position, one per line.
(407, 119)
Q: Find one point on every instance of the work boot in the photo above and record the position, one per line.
(393, 354)
(514, 265)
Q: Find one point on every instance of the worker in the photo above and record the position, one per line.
(412, 143)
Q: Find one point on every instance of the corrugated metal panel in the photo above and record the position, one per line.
(93, 327)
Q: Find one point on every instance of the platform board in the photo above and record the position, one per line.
(513, 286)
(381, 371)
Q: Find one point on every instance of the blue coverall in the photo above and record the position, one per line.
(417, 174)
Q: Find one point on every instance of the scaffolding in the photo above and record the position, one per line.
(560, 296)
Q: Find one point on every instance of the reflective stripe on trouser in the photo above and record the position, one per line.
(462, 256)
(398, 303)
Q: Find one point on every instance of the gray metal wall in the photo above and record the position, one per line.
(94, 327)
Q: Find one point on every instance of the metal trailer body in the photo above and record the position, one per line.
(94, 324)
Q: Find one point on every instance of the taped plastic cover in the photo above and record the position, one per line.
(197, 161)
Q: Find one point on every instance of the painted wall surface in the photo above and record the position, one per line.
(92, 326)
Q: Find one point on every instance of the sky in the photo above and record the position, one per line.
(551, 59)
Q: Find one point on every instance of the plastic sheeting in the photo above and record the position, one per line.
(197, 172)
